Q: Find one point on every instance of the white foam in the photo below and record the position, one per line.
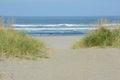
(33, 29)
(67, 25)
(50, 25)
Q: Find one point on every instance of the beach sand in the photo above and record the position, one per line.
(59, 42)
(64, 63)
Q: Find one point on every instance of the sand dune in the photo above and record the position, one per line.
(65, 64)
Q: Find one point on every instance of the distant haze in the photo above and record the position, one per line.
(59, 7)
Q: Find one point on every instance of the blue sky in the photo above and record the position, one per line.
(59, 7)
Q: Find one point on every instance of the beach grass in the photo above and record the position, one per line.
(102, 37)
(116, 37)
(18, 44)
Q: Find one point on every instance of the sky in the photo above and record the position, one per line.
(59, 7)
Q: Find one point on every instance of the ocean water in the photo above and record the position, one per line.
(60, 26)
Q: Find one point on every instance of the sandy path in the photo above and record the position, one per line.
(60, 42)
(65, 64)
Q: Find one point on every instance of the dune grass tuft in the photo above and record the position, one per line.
(116, 37)
(101, 37)
(18, 44)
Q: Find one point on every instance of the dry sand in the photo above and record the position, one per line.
(59, 42)
(65, 64)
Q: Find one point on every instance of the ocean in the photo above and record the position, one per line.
(60, 26)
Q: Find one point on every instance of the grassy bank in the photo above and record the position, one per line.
(18, 44)
(101, 37)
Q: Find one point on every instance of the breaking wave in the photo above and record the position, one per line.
(60, 25)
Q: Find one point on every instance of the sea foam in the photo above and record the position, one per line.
(60, 25)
